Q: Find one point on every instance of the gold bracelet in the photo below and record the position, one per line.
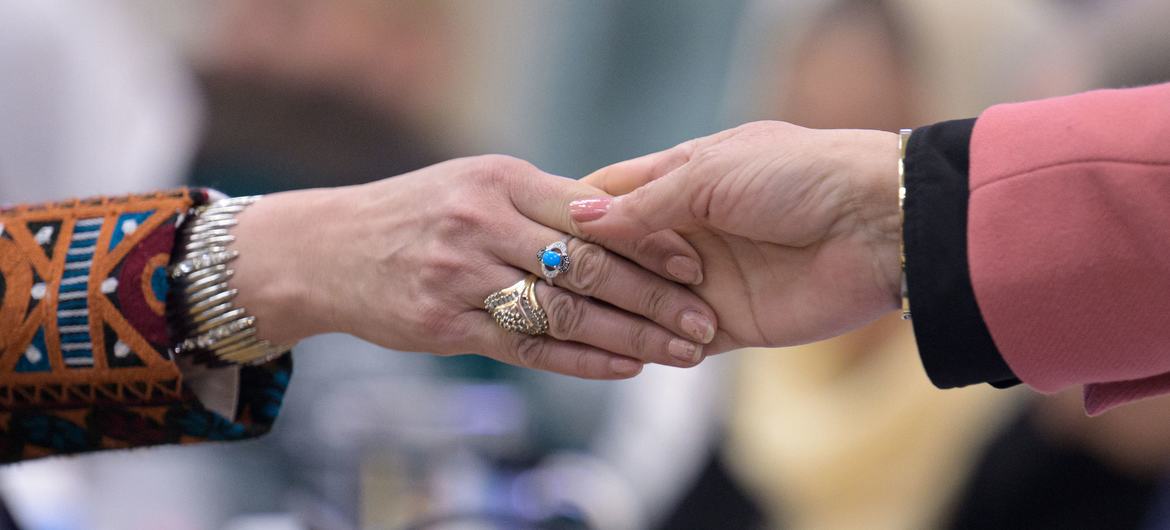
(903, 140)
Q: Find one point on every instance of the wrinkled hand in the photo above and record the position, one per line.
(798, 229)
(407, 262)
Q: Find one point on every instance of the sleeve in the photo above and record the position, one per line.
(85, 362)
(953, 340)
(1069, 241)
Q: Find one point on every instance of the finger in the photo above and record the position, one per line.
(545, 198)
(626, 176)
(575, 318)
(597, 273)
(546, 353)
(654, 192)
(670, 202)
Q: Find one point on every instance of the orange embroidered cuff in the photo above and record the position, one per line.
(84, 345)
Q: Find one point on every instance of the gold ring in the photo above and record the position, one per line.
(515, 308)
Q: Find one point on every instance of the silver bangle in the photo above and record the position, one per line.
(202, 309)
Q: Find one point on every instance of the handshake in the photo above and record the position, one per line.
(768, 234)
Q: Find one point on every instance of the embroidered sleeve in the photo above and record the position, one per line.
(84, 357)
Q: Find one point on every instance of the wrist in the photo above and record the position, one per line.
(276, 272)
(877, 181)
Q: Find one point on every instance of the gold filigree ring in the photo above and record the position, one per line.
(515, 308)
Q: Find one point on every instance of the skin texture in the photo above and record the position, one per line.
(407, 262)
(798, 229)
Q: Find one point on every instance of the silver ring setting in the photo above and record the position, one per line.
(554, 259)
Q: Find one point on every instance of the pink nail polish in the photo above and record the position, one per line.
(586, 210)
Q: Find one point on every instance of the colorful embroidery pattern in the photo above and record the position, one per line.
(83, 337)
(32, 433)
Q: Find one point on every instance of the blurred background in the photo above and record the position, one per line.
(254, 96)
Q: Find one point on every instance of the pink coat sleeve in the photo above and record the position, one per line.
(1069, 241)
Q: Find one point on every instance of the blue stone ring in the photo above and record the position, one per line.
(554, 259)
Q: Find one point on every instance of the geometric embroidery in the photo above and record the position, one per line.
(127, 223)
(73, 297)
(36, 357)
(35, 433)
(130, 285)
(118, 353)
(70, 259)
(46, 234)
(84, 359)
(39, 289)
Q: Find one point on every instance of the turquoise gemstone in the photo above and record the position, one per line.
(550, 259)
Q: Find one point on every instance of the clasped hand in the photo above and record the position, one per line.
(407, 263)
(763, 235)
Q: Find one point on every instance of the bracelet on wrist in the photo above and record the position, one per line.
(903, 141)
(211, 327)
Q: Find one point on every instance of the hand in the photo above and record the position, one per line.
(798, 229)
(407, 262)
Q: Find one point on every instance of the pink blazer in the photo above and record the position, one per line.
(1069, 241)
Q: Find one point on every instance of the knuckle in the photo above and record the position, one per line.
(495, 168)
(434, 319)
(677, 156)
(583, 366)
(705, 159)
(590, 268)
(640, 341)
(455, 334)
(438, 270)
(459, 220)
(531, 352)
(656, 302)
(753, 128)
(649, 245)
(565, 314)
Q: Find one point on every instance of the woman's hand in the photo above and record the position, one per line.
(407, 262)
(798, 229)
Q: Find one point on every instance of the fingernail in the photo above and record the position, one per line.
(586, 210)
(698, 326)
(687, 352)
(625, 367)
(684, 269)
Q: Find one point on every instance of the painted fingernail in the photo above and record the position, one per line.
(697, 325)
(625, 367)
(687, 352)
(684, 269)
(586, 210)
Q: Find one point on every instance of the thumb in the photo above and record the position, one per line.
(659, 204)
(624, 177)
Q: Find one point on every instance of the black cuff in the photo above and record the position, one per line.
(953, 341)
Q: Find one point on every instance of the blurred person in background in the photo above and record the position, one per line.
(839, 433)
(38, 30)
(1053, 467)
(308, 94)
(1057, 479)
(790, 446)
(98, 108)
(284, 166)
(1045, 272)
